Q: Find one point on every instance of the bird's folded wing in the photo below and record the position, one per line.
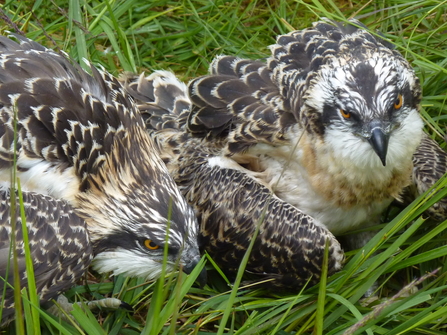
(58, 241)
(430, 164)
(231, 204)
(239, 101)
(64, 114)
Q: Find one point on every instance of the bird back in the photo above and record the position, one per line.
(63, 114)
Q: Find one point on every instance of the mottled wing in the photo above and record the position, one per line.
(59, 245)
(165, 106)
(230, 204)
(64, 114)
(239, 100)
(430, 164)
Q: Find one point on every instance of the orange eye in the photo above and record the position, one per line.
(345, 114)
(151, 245)
(398, 102)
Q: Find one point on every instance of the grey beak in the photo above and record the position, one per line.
(379, 142)
(187, 268)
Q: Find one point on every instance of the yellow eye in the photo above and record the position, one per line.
(345, 114)
(151, 245)
(398, 102)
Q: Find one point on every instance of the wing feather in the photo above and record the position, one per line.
(430, 165)
(60, 107)
(59, 245)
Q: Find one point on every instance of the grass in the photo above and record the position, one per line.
(407, 257)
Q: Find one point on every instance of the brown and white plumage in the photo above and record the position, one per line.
(429, 165)
(59, 245)
(230, 200)
(330, 120)
(80, 138)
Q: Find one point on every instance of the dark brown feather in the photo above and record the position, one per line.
(290, 246)
(59, 245)
(430, 165)
(56, 98)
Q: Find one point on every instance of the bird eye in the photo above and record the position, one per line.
(398, 102)
(345, 114)
(151, 245)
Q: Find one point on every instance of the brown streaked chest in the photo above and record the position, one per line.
(344, 185)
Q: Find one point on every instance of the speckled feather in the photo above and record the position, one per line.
(58, 241)
(430, 164)
(81, 138)
(230, 201)
(283, 116)
(65, 115)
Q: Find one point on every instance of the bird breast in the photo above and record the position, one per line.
(328, 187)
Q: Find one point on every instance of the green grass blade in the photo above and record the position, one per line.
(32, 291)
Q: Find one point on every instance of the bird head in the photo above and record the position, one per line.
(137, 218)
(363, 100)
(87, 129)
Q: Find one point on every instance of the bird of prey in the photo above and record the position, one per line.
(79, 138)
(230, 200)
(330, 121)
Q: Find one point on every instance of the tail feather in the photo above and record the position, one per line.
(165, 106)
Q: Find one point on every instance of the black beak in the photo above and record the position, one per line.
(202, 277)
(379, 142)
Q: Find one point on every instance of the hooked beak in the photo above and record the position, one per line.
(379, 140)
(187, 268)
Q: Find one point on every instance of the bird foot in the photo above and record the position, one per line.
(62, 308)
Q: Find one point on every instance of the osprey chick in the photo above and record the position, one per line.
(80, 138)
(330, 121)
